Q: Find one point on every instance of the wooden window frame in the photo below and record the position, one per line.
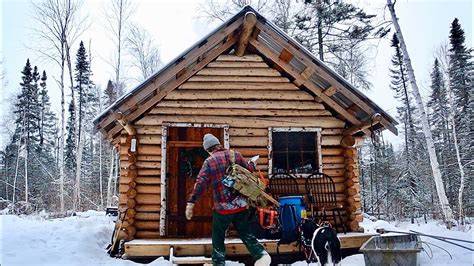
(294, 129)
(164, 136)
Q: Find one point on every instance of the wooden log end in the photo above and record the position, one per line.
(131, 193)
(131, 203)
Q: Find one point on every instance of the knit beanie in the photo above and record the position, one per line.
(209, 140)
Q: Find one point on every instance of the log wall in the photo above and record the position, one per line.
(249, 96)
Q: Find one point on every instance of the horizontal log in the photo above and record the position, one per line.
(257, 132)
(334, 172)
(196, 85)
(248, 141)
(149, 139)
(331, 140)
(148, 208)
(263, 104)
(147, 234)
(234, 58)
(144, 149)
(147, 216)
(332, 131)
(142, 198)
(238, 95)
(142, 189)
(143, 165)
(333, 159)
(247, 122)
(235, 112)
(236, 64)
(253, 72)
(141, 180)
(143, 158)
(250, 152)
(147, 225)
(157, 130)
(331, 151)
(238, 79)
(333, 166)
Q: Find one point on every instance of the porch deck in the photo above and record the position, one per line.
(202, 246)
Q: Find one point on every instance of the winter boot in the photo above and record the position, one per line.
(265, 260)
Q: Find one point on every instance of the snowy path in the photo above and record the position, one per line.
(81, 240)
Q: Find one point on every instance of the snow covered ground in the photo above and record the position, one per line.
(81, 240)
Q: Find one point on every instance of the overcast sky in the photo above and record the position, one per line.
(425, 25)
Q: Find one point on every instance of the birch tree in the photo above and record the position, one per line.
(59, 24)
(443, 200)
(145, 54)
(117, 15)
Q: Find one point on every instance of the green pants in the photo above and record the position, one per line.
(220, 224)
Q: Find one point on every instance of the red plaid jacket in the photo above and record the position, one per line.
(226, 200)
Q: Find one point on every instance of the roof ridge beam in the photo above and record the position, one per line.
(248, 25)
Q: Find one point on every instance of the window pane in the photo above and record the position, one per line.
(294, 141)
(294, 152)
(309, 141)
(279, 163)
(279, 141)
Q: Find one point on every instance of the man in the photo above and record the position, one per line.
(229, 205)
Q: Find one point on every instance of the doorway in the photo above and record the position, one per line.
(185, 156)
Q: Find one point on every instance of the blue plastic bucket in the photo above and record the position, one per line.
(297, 202)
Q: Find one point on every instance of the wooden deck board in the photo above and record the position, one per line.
(234, 246)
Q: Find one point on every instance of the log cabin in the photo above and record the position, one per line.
(261, 93)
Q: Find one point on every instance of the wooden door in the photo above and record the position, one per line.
(184, 159)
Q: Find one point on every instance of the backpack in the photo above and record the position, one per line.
(246, 183)
(291, 212)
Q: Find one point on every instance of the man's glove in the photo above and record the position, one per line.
(189, 210)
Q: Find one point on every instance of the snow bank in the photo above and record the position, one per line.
(78, 240)
(82, 239)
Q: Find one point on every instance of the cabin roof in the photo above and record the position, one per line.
(277, 47)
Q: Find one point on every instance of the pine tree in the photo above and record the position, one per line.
(399, 84)
(70, 149)
(110, 94)
(27, 108)
(48, 119)
(27, 121)
(460, 82)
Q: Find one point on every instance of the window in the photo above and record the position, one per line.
(295, 150)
